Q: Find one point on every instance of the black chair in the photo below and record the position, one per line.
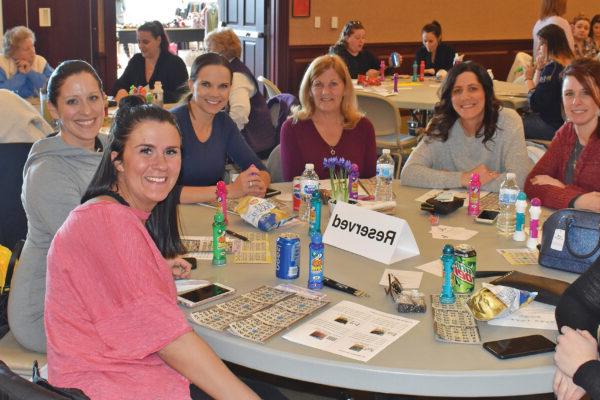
(13, 222)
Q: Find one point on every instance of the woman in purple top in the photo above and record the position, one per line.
(327, 123)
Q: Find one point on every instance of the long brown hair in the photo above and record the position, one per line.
(549, 8)
(587, 73)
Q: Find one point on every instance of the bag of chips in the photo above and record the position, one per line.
(493, 301)
(261, 213)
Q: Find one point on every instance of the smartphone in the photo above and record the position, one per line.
(272, 192)
(204, 294)
(520, 346)
(192, 261)
(487, 216)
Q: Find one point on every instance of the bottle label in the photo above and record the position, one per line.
(385, 171)
(308, 186)
(508, 196)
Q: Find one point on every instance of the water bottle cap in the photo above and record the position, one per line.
(510, 175)
(385, 151)
(309, 166)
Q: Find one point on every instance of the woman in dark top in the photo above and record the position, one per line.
(554, 54)
(210, 137)
(350, 47)
(578, 318)
(154, 64)
(437, 55)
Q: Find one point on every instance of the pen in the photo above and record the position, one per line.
(236, 235)
(363, 187)
(343, 288)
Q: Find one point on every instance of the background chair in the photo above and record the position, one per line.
(385, 118)
(13, 222)
(272, 89)
(274, 165)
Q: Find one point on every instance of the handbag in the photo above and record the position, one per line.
(5, 287)
(570, 240)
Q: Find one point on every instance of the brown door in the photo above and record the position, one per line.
(247, 18)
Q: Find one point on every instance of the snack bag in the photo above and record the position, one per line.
(494, 301)
(261, 213)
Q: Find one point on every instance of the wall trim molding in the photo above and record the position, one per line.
(497, 55)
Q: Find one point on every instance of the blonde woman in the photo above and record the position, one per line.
(327, 123)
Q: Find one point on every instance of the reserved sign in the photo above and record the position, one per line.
(371, 234)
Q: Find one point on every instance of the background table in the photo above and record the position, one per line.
(416, 364)
(424, 94)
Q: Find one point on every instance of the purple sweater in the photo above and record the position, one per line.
(301, 143)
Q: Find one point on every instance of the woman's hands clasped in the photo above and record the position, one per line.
(248, 183)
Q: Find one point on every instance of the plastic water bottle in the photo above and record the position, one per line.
(385, 174)
(309, 182)
(507, 197)
(158, 94)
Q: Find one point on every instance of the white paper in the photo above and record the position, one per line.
(451, 232)
(434, 267)
(351, 330)
(535, 315)
(408, 279)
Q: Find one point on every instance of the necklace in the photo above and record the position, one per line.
(332, 150)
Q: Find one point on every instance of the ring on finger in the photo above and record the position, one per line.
(251, 183)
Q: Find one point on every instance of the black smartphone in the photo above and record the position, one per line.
(487, 216)
(520, 346)
(272, 192)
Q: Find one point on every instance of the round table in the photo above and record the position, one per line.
(415, 364)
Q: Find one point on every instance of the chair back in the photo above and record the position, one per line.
(272, 89)
(280, 107)
(13, 225)
(274, 165)
(382, 113)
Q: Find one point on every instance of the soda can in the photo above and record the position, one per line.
(463, 271)
(287, 264)
(296, 200)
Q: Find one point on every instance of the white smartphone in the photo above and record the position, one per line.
(487, 216)
(204, 294)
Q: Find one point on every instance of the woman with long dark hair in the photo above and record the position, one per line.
(210, 137)
(55, 176)
(436, 54)
(469, 132)
(154, 64)
(544, 83)
(113, 324)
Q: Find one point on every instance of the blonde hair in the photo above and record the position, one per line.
(13, 38)
(549, 8)
(349, 106)
(225, 42)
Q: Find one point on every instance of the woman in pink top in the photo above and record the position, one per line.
(113, 325)
(327, 124)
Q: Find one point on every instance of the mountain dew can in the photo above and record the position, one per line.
(463, 271)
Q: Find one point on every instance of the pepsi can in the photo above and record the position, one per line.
(287, 264)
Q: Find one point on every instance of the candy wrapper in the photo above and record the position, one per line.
(494, 301)
(261, 213)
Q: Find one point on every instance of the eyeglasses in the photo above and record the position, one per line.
(394, 288)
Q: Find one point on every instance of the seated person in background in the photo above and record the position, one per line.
(545, 84)
(55, 176)
(114, 327)
(437, 55)
(327, 123)
(210, 137)
(568, 175)
(581, 35)
(576, 358)
(350, 47)
(21, 70)
(154, 63)
(552, 12)
(469, 132)
(21, 122)
(595, 34)
(247, 106)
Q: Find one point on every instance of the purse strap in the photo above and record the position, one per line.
(14, 257)
(570, 222)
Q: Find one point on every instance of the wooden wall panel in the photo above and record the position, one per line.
(497, 55)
